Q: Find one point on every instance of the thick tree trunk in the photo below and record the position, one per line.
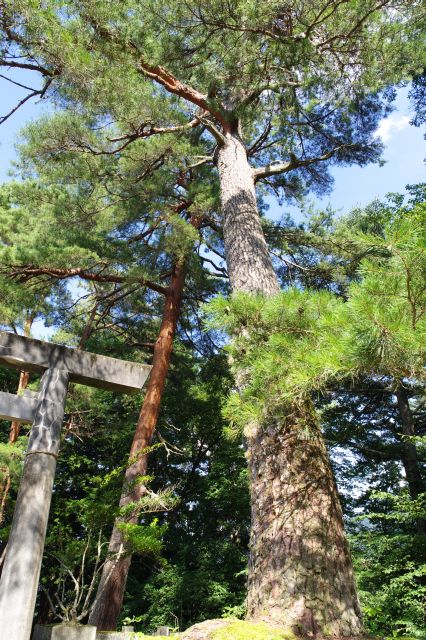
(409, 456)
(112, 585)
(249, 264)
(300, 572)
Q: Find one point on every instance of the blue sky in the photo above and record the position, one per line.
(404, 154)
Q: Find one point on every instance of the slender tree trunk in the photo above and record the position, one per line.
(15, 428)
(112, 585)
(300, 571)
(409, 452)
(88, 327)
(4, 491)
(44, 610)
(24, 379)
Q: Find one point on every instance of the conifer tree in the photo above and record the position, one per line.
(166, 239)
(308, 341)
(278, 91)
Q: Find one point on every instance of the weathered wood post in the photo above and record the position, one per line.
(21, 570)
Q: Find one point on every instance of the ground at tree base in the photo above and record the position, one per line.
(227, 629)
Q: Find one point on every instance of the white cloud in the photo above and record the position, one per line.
(389, 126)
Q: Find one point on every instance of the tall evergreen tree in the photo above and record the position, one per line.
(164, 251)
(276, 89)
(301, 342)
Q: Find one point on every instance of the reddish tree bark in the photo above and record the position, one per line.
(24, 378)
(4, 492)
(112, 585)
(15, 428)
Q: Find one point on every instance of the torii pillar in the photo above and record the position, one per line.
(60, 365)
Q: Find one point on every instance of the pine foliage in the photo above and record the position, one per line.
(300, 342)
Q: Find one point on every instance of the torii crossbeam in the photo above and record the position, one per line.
(45, 410)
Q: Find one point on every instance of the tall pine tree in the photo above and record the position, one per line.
(276, 90)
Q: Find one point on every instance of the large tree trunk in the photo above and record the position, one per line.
(249, 264)
(112, 585)
(409, 456)
(300, 572)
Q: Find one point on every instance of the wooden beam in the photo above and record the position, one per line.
(83, 367)
(14, 407)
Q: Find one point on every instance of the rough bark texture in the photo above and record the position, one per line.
(409, 452)
(112, 585)
(247, 257)
(300, 573)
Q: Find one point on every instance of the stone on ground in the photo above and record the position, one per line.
(235, 630)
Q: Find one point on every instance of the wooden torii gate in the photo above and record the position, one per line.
(45, 410)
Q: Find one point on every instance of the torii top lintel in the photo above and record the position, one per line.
(83, 367)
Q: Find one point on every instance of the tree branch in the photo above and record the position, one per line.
(267, 86)
(356, 28)
(142, 132)
(19, 105)
(178, 88)
(295, 163)
(27, 272)
(32, 94)
(6, 62)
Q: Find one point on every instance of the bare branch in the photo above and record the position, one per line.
(257, 144)
(33, 93)
(200, 163)
(295, 163)
(23, 273)
(19, 105)
(7, 62)
(221, 271)
(143, 132)
(18, 84)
